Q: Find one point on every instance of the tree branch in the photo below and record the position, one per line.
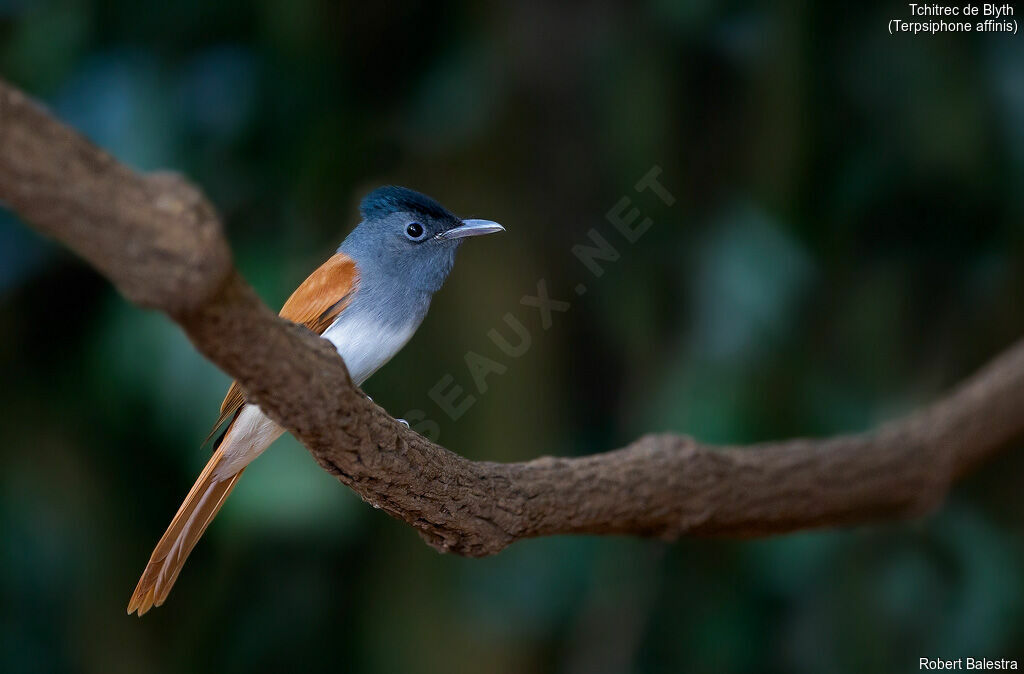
(160, 242)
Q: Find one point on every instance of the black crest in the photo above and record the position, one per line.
(389, 199)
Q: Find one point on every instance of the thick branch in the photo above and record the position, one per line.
(156, 237)
(160, 243)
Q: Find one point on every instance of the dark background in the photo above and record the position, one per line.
(846, 244)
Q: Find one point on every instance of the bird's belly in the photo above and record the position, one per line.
(248, 436)
(365, 344)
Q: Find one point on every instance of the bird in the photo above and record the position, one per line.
(367, 300)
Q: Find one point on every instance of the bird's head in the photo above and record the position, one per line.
(410, 237)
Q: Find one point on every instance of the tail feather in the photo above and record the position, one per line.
(201, 505)
(164, 588)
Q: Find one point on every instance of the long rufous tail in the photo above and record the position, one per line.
(200, 507)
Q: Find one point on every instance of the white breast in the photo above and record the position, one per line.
(364, 344)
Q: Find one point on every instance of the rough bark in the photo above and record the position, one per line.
(160, 243)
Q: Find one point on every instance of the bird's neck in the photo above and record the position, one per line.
(418, 274)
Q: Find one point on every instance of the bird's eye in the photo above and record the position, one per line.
(414, 230)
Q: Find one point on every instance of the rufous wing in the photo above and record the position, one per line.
(316, 303)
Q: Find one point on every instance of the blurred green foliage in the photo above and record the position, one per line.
(846, 243)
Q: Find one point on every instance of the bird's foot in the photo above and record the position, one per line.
(401, 421)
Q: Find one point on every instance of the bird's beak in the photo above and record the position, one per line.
(471, 228)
